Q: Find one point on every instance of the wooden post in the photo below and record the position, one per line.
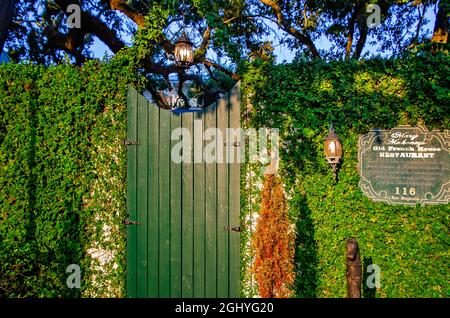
(353, 262)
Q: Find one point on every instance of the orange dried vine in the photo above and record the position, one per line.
(273, 242)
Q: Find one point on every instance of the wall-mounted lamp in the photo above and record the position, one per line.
(184, 53)
(333, 150)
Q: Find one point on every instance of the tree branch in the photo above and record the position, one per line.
(441, 26)
(158, 68)
(351, 31)
(122, 6)
(287, 27)
(415, 39)
(91, 24)
(363, 30)
(210, 63)
(244, 17)
(208, 68)
(72, 42)
(201, 51)
(139, 19)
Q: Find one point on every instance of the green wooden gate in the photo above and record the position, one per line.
(183, 246)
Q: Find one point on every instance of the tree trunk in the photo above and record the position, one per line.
(6, 16)
(440, 33)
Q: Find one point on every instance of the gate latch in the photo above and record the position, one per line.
(232, 228)
(128, 222)
(129, 142)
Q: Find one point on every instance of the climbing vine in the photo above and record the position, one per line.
(409, 244)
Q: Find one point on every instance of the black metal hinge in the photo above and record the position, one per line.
(129, 142)
(233, 144)
(128, 222)
(232, 228)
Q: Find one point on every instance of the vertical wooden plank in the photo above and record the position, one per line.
(222, 202)
(199, 208)
(175, 215)
(142, 151)
(234, 196)
(164, 204)
(131, 192)
(210, 204)
(187, 215)
(153, 201)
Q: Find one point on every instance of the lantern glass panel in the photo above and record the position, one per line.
(333, 148)
(184, 53)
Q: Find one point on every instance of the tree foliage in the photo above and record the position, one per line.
(226, 33)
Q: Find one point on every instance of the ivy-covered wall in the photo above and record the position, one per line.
(63, 173)
(62, 179)
(410, 244)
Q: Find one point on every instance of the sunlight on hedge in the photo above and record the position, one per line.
(408, 243)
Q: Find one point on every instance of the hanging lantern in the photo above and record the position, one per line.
(333, 150)
(184, 53)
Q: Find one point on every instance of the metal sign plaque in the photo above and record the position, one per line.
(405, 165)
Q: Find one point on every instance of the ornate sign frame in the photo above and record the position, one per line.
(405, 165)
